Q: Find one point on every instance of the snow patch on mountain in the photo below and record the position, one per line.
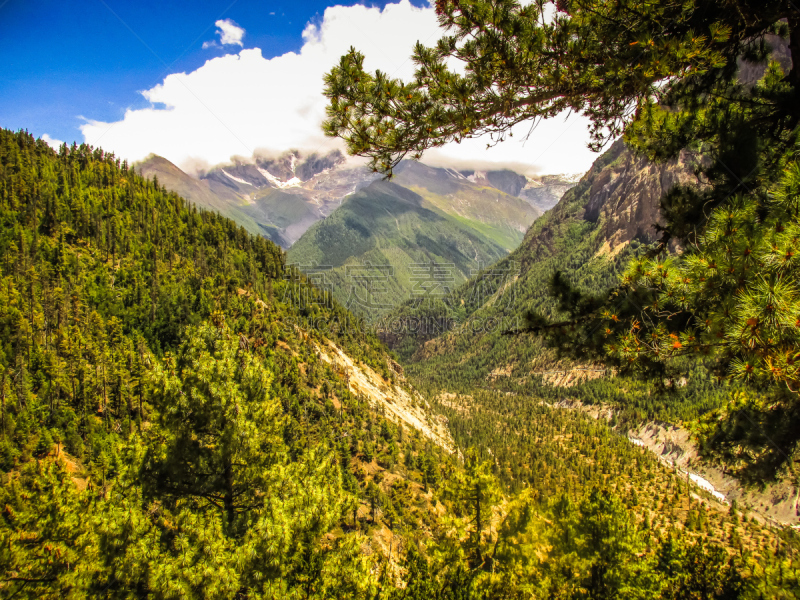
(294, 181)
(238, 180)
(455, 174)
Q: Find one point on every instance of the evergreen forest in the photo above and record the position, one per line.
(184, 414)
(169, 429)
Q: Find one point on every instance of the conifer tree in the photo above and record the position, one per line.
(220, 431)
(704, 79)
(604, 58)
(593, 550)
(475, 493)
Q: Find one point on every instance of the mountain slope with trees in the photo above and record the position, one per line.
(171, 427)
(588, 235)
(716, 79)
(156, 387)
(429, 228)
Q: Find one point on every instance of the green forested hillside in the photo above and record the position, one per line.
(220, 199)
(568, 238)
(156, 390)
(170, 428)
(373, 249)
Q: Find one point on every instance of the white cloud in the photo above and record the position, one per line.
(238, 103)
(53, 143)
(229, 32)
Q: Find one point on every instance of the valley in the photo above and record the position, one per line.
(122, 371)
(434, 364)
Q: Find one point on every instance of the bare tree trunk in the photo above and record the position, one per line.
(228, 499)
(3, 400)
(478, 522)
(105, 395)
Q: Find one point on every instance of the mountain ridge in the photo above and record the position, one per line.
(255, 192)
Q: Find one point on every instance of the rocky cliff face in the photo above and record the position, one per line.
(507, 181)
(624, 196)
(544, 192)
(625, 190)
(291, 169)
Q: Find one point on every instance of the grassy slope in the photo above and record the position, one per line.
(386, 224)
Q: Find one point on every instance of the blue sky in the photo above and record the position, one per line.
(201, 82)
(66, 59)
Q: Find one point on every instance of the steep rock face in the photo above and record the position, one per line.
(544, 192)
(288, 170)
(750, 73)
(625, 190)
(316, 164)
(624, 197)
(507, 181)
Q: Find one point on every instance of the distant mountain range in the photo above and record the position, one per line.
(280, 198)
(335, 217)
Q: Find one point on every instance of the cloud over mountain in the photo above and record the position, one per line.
(236, 104)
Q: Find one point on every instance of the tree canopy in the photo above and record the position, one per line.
(714, 81)
(502, 63)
